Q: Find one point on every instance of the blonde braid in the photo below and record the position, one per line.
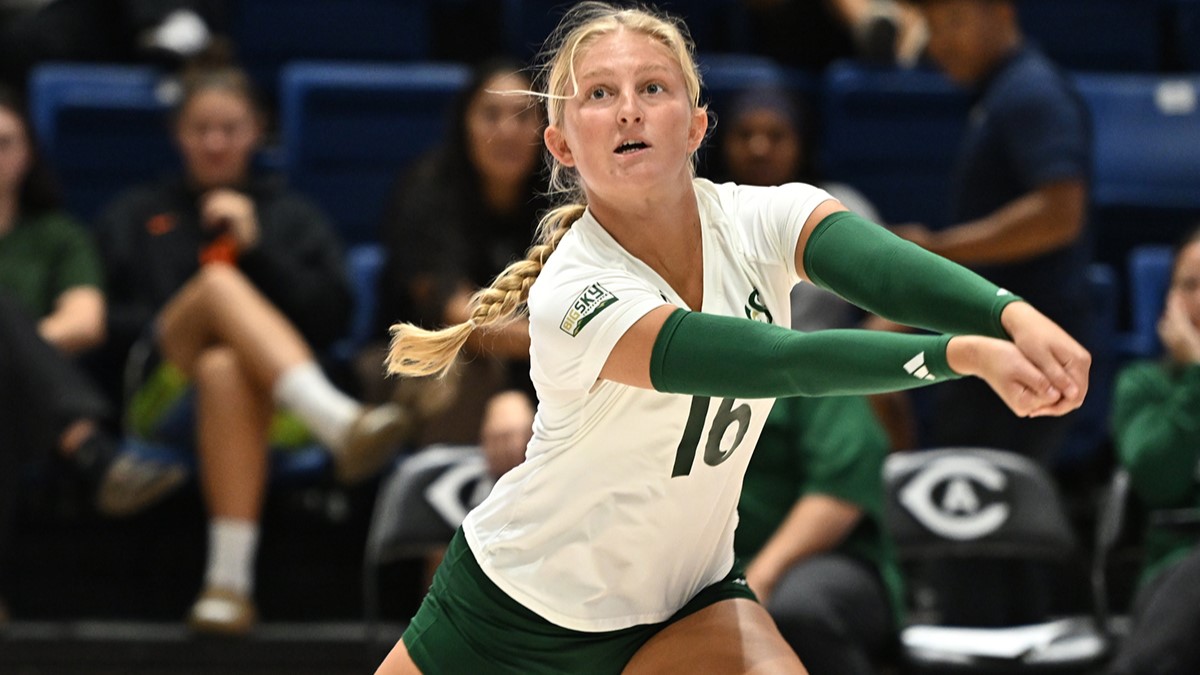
(416, 352)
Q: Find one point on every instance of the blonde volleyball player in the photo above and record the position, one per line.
(657, 304)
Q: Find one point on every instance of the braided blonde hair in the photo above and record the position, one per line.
(416, 352)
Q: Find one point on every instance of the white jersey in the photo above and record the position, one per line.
(626, 504)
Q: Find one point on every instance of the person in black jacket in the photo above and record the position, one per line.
(236, 281)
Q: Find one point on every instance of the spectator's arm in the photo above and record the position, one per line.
(1038, 222)
(1157, 433)
(77, 322)
(816, 523)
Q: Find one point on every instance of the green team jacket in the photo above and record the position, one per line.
(1156, 427)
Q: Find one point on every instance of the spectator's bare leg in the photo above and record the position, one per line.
(220, 306)
(233, 415)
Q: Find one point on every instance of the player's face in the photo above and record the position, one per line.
(217, 133)
(504, 131)
(631, 126)
(14, 152)
(960, 37)
(1186, 280)
(762, 148)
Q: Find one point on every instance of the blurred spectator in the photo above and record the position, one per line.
(1156, 427)
(52, 308)
(463, 212)
(811, 34)
(158, 31)
(811, 526)
(766, 138)
(1019, 203)
(233, 278)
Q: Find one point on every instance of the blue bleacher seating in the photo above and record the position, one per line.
(1149, 278)
(364, 263)
(349, 129)
(1100, 35)
(102, 128)
(893, 135)
(1146, 159)
(269, 33)
(725, 75)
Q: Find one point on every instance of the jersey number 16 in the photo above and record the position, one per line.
(685, 454)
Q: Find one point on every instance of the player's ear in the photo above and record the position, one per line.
(556, 143)
(697, 127)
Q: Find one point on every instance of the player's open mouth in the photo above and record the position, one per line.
(630, 146)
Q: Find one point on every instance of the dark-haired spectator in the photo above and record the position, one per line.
(52, 308)
(1156, 429)
(237, 282)
(1019, 202)
(462, 212)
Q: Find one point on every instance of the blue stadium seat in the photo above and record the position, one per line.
(1149, 278)
(269, 33)
(725, 75)
(102, 128)
(1100, 35)
(349, 129)
(1146, 159)
(364, 262)
(893, 135)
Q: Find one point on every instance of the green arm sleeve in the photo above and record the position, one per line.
(1157, 431)
(708, 355)
(896, 279)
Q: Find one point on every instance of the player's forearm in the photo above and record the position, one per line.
(708, 355)
(898, 280)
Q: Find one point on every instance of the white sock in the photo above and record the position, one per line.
(327, 412)
(232, 548)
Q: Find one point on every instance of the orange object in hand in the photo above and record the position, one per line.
(223, 249)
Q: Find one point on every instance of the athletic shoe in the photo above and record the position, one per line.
(372, 442)
(137, 479)
(222, 611)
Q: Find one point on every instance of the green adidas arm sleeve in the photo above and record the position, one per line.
(896, 279)
(727, 357)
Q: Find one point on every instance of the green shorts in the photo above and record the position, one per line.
(468, 625)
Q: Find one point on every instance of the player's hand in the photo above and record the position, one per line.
(1177, 332)
(1055, 353)
(1015, 378)
(231, 212)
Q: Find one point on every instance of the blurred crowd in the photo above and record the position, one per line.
(198, 313)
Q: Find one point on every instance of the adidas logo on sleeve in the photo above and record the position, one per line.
(916, 368)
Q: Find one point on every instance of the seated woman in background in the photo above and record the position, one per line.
(52, 309)
(238, 282)
(1156, 427)
(463, 211)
